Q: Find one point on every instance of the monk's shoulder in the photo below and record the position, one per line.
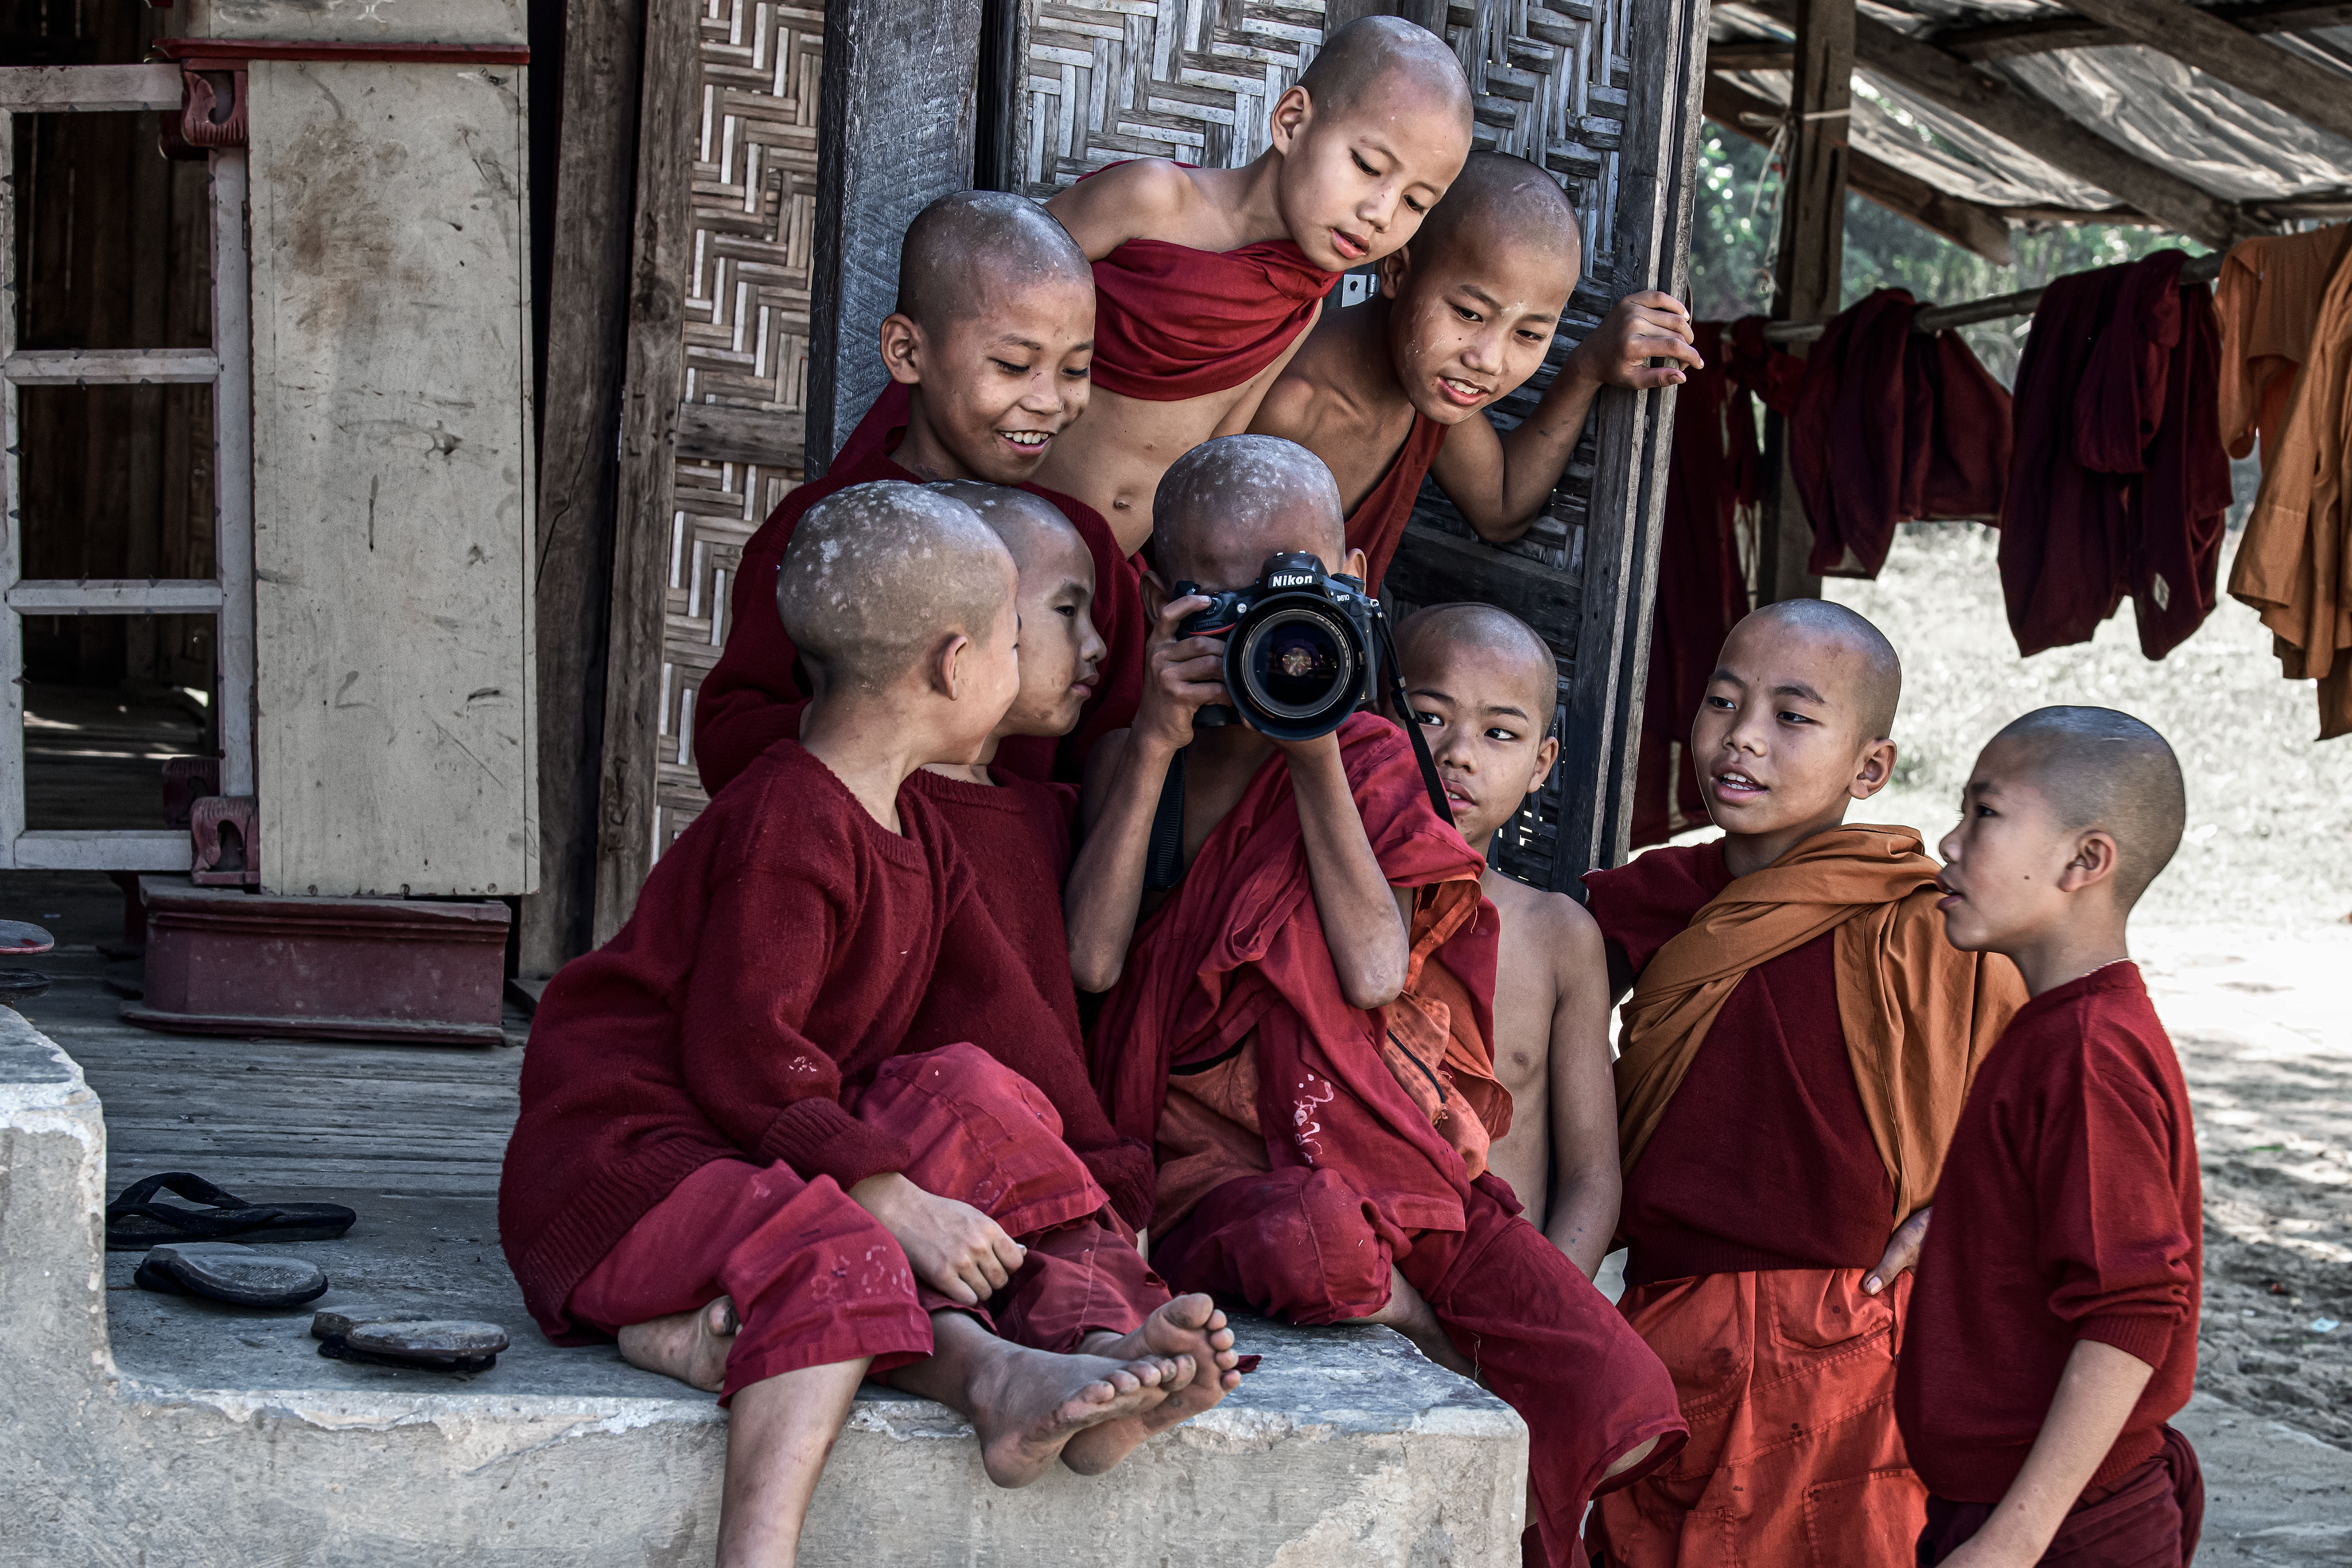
(786, 816)
(1543, 931)
(1143, 198)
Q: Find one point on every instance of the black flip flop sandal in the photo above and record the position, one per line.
(431, 1344)
(135, 1221)
(227, 1272)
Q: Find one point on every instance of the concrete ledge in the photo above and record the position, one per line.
(1346, 1447)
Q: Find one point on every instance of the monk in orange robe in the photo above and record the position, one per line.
(1795, 1052)
(1304, 1021)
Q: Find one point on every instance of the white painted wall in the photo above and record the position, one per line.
(392, 476)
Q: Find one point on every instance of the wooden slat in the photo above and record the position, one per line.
(12, 531)
(109, 367)
(1971, 224)
(660, 254)
(2039, 35)
(104, 596)
(720, 435)
(2304, 89)
(573, 545)
(88, 89)
(2035, 127)
(92, 850)
(1657, 171)
(233, 466)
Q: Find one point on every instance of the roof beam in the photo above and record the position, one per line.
(2027, 122)
(2001, 40)
(2228, 53)
(1969, 224)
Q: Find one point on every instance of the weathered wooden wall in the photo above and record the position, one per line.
(392, 480)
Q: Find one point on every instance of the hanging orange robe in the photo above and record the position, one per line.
(1815, 1015)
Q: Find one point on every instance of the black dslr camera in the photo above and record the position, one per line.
(1302, 648)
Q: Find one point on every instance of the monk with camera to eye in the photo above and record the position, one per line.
(1301, 967)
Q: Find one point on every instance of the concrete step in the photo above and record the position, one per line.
(223, 1441)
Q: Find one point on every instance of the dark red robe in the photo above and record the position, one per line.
(750, 700)
(1172, 322)
(1377, 525)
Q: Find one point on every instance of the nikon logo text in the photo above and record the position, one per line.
(1293, 581)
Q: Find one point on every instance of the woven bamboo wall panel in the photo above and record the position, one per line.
(746, 325)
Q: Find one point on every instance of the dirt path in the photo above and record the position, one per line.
(2248, 954)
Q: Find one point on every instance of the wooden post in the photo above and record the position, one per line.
(571, 559)
(1812, 254)
(1602, 725)
(661, 241)
(896, 107)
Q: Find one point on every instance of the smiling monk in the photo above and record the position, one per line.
(1795, 1053)
(1386, 394)
(1209, 278)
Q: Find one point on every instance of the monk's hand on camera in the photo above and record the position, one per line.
(1181, 674)
(1902, 1253)
(1640, 328)
(954, 1248)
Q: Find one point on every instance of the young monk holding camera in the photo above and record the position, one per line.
(1325, 958)
(1396, 389)
(1796, 1049)
(1208, 277)
(725, 1159)
(988, 353)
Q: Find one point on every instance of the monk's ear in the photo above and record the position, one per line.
(1877, 768)
(949, 666)
(1396, 271)
(1155, 594)
(902, 349)
(1291, 112)
(1547, 755)
(1357, 564)
(2094, 862)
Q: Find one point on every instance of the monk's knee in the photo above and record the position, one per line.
(1632, 1457)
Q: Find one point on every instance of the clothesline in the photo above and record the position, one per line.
(1943, 318)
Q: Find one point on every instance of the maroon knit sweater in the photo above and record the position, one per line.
(2069, 1209)
(776, 957)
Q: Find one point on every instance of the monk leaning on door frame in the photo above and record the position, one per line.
(1797, 1046)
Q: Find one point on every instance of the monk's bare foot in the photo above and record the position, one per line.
(1190, 1328)
(1412, 1316)
(688, 1346)
(1028, 1405)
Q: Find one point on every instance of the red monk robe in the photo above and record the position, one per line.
(741, 708)
(1377, 525)
(1172, 322)
(2070, 1209)
(1761, 1196)
(1348, 1174)
(701, 1093)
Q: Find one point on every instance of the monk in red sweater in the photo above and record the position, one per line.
(1795, 1052)
(1209, 278)
(988, 353)
(1304, 1023)
(1396, 390)
(1485, 688)
(725, 1157)
(2053, 1328)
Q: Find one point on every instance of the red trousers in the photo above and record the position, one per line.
(1304, 1246)
(817, 1279)
(2150, 1518)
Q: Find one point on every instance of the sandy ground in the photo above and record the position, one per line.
(2248, 952)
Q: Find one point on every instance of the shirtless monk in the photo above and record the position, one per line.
(1396, 388)
(2054, 1327)
(723, 1156)
(1209, 278)
(1302, 1024)
(1483, 688)
(1796, 1049)
(988, 353)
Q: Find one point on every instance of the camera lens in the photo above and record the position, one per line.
(1295, 662)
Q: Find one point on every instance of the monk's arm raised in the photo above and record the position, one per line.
(1363, 918)
(1586, 1182)
(2095, 1396)
(1499, 482)
(1104, 892)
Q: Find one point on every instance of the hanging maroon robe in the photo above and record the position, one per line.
(1377, 525)
(1173, 322)
(750, 700)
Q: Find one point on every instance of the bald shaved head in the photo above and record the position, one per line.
(876, 575)
(1028, 524)
(1880, 685)
(2101, 769)
(1373, 55)
(1498, 196)
(964, 251)
(1244, 496)
(1492, 630)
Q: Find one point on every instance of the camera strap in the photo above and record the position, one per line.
(1163, 862)
(1404, 706)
